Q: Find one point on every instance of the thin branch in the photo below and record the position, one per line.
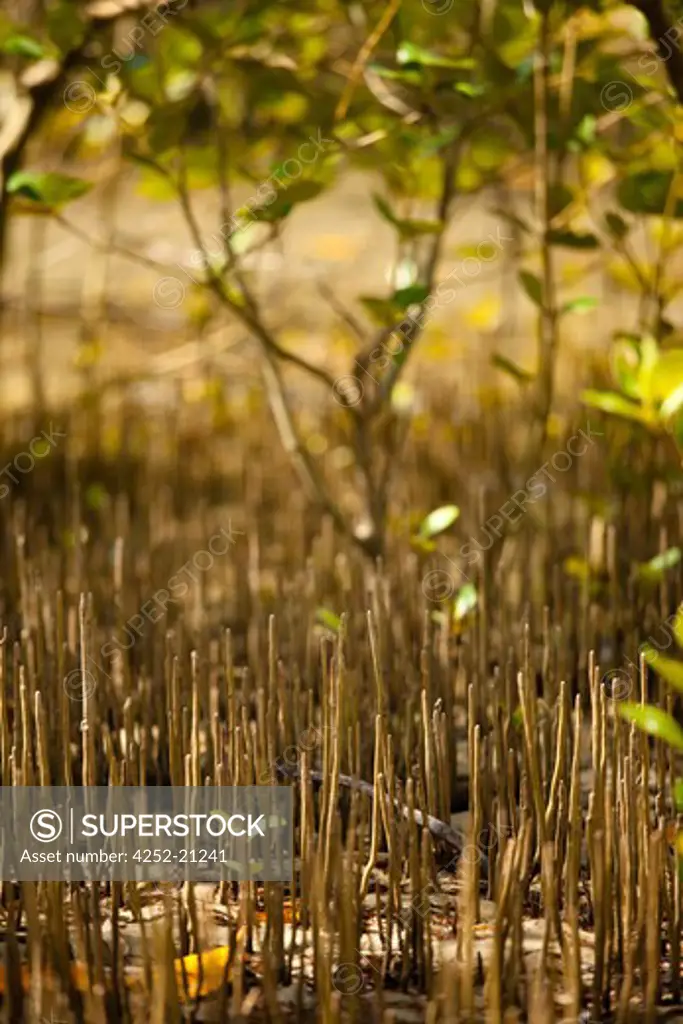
(223, 179)
(27, 121)
(376, 486)
(106, 247)
(663, 253)
(392, 375)
(264, 335)
(344, 314)
(439, 829)
(364, 56)
(248, 314)
(548, 312)
(301, 457)
(414, 329)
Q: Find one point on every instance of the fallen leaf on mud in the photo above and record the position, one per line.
(211, 965)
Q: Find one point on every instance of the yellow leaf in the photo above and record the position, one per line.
(213, 965)
(572, 273)
(597, 169)
(621, 273)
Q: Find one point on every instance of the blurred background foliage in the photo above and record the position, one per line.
(573, 108)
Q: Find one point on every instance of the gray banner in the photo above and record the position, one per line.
(146, 833)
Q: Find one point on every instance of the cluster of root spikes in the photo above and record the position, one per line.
(477, 835)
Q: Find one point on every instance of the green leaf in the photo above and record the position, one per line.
(302, 191)
(617, 405)
(648, 192)
(414, 295)
(385, 210)
(678, 626)
(657, 566)
(438, 520)
(559, 198)
(381, 311)
(407, 229)
(586, 130)
(410, 76)
(625, 364)
(435, 143)
(653, 721)
(582, 305)
(22, 46)
(65, 24)
(574, 239)
(616, 225)
(283, 203)
(324, 617)
(46, 188)
(410, 53)
(501, 362)
(669, 669)
(532, 286)
(166, 127)
(470, 89)
(465, 601)
(278, 210)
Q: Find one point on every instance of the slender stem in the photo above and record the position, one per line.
(248, 314)
(107, 247)
(300, 456)
(665, 241)
(363, 57)
(547, 327)
(450, 164)
(342, 312)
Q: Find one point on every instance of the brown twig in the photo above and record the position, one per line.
(440, 830)
(293, 444)
(363, 57)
